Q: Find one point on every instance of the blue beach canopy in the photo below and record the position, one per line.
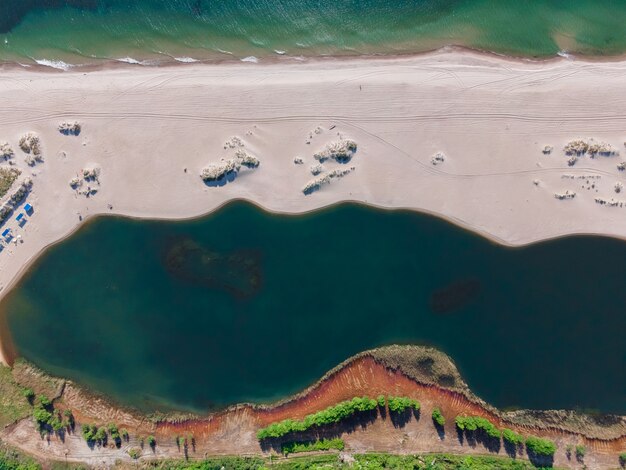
(28, 207)
(6, 232)
(19, 217)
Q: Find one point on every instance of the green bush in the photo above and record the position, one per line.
(44, 401)
(512, 437)
(151, 441)
(438, 418)
(330, 415)
(622, 459)
(124, 434)
(580, 451)
(29, 394)
(41, 415)
(324, 444)
(381, 401)
(100, 435)
(400, 404)
(13, 460)
(113, 431)
(134, 453)
(474, 423)
(56, 423)
(539, 446)
(88, 431)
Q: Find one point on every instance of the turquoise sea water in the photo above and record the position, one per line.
(86, 31)
(247, 306)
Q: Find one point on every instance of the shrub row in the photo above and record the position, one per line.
(330, 415)
(47, 417)
(94, 434)
(473, 423)
(324, 444)
(400, 404)
(512, 437)
(534, 445)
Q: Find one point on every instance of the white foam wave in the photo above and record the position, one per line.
(565, 54)
(129, 60)
(55, 64)
(280, 52)
(224, 52)
(186, 60)
(251, 59)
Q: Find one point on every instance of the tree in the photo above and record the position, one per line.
(100, 435)
(438, 418)
(540, 447)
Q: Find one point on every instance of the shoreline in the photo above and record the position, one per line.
(387, 370)
(143, 125)
(104, 64)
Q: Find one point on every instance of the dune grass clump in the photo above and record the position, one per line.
(215, 172)
(70, 128)
(246, 159)
(317, 183)
(219, 171)
(341, 151)
(6, 151)
(330, 415)
(31, 144)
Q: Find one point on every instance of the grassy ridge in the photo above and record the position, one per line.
(362, 461)
(13, 404)
(321, 445)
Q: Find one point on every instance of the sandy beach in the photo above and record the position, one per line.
(456, 134)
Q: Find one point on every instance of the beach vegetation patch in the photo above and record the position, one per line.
(6, 151)
(330, 415)
(312, 446)
(7, 178)
(341, 151)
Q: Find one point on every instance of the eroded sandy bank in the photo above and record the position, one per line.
(421, 373)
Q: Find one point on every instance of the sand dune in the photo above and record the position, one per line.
(150, 132)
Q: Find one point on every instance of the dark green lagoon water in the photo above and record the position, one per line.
(247, 306)
(61, 32)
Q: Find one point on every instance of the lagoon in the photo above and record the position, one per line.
(245, 305)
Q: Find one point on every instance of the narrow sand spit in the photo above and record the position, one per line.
(150, 132)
